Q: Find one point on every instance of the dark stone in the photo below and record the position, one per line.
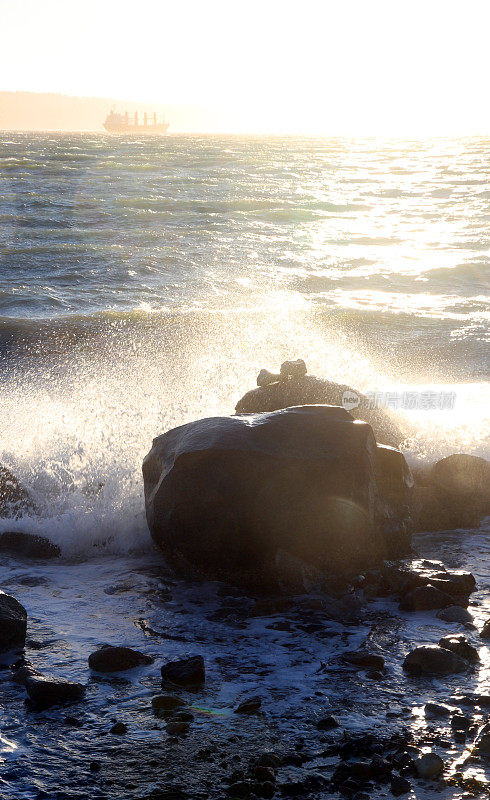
(400, 785)
(14, 499)
(460, 645)
(425, 598)
(117, 659)
(456, 614)
(46, 692)
(224, 494)
(28, 545)
(433, 660)
(269, 760)
(240, 789)
(327, 723)
(178, 727)
(459, 722)
(293, 369)
(265, 377)
(394, 507)
(13, 623)
(456, 494)
(119, 728)
(187, 672)
(308, 390)
(249, 706)
(482, 741)
(95, 766)
(263, 774)
(485, 631)
(265, 789)
(166, 702)
(362, 658)
(22, 674)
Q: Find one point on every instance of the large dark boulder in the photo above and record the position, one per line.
(454, 493)
(224, 494)
(293, 387)
(14, 499)
(13, 622)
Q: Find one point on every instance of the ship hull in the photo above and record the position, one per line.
(137, 130)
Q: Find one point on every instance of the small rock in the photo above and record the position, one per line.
(264, 774)
(117, 659)
(265, 377)
(433, 660)
(269, 760)
(166, 702)
(266, 789)
(28, 545)
(177, 728)
(23, 673)
(429, 765)
(485, 631)
(94, 766)
(327, 723)
(456, 614)
(73, 722)
(399, 785)
(482, 742)
(437, 710)
(187, 672)
(119, 728)
(183, 716)
(249, 706)
(362, 658)
(461, 646)
(293, 369)
(240, 789)
(460, 723)
(13, 622)
(425, 598)
(46, 692)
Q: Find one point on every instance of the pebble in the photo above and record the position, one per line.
(166, 702)
(119, 728)
(429, 765)
(249, 706)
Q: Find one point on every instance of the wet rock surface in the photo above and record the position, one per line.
(187, 672)
(117, 659)
(48, 691)
(325, 726)
(13, 622)
(293, 387)
(28, 545)
(224, 494)
(455, 493)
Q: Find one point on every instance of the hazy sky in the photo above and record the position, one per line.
(337, 66)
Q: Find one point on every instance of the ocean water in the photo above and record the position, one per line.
(144, 284)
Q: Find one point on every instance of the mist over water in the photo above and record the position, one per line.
(144, 284)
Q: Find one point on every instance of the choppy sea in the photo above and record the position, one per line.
(144, 284)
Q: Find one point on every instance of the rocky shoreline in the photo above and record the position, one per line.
(368, 682)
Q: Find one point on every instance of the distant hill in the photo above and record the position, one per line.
(32, 111)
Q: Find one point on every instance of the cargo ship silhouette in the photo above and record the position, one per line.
(129, 123)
